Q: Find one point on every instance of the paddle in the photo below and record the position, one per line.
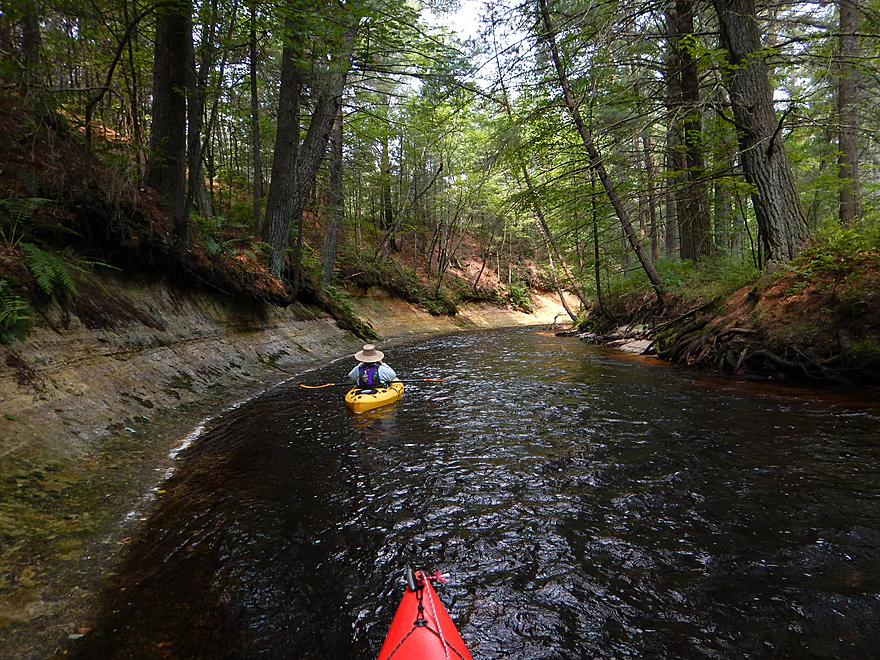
(350, 384)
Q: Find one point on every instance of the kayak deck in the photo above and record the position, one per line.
(422, 628)
(360, 400)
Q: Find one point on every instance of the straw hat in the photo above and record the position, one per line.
(369, 354)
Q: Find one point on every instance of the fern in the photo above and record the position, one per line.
(21, 210)
(94, 264)
(15, 321)
(51, 271)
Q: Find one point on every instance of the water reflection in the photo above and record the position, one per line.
(375, 421)
(585, 506)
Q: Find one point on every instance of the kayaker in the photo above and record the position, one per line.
(371, 370)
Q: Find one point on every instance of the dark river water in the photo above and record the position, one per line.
(585, 505)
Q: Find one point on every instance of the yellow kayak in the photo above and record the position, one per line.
(361, 400)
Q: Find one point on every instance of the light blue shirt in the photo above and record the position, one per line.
(386, 374)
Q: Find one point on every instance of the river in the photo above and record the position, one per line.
(584, 504)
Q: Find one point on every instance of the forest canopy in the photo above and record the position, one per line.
(592, 146)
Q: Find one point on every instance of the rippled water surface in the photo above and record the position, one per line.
(584, 505)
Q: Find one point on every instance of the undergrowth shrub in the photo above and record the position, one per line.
(405, 283)
(16, 225)
(519, 299)
(15, 321)
(53, 271)
(545, 279)
(463, 291)
(342, 300)
(837, 262)
(863, 355)
(708, 279)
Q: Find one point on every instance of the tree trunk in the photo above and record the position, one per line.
(558, 288)
(197, 87)
(202, 198)
(651, 171)
(724, 204)
(386, 214)
(597, 263)
(255, 125)
(541, 219)
(781, 220)
(693, 208)
(539, 211)
(31, 80)
(595, 160)
(172, 65)
(134, 96)
(335, 208)
(93, 102)
(642, 194)
(7, 33)
(283, 188)
(329, 86)
(674, 138)
(724, 209)
(847, 97)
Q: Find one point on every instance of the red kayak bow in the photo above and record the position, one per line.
(421, 628)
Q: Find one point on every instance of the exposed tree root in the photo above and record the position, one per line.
(732, 343)
(726, 345)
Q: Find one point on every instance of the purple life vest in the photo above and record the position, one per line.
(369, 376)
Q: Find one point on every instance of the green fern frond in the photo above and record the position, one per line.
(52, 273)
(21, 210)
(62, 229)
(65, 278)
(15, 320)
(96, 264)
(212, 247)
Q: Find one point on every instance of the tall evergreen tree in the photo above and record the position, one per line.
(692, 203)
(173, 65)
(596, 162)
(284, 182)
(847, 99)
(781, 220)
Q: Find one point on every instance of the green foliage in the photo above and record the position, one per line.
(439, 305)
(360, 327)
(209, 232)
(52, 271)
(834, 243)
(621, 282)
(836, 263)
(221, 238)
(708, 279)
(520, 299)
(310, 261)
(406, 284)
(463, 291)
(545, 280)
(20, 210)
(863, 355)
(15, 320)
(400, 132)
